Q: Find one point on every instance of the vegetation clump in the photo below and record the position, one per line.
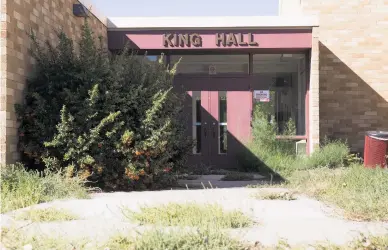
(360, 192)
(190, 214)
(46, 215)
(21, 188)
(113, 120)
(270, 155)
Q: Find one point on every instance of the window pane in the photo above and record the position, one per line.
(196, 110)
(223, 139)
(211, 64)
(148, 58)
(284, 76)
(198, 141)
(152, 58)
(222, 105)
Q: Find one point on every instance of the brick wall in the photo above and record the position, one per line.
(18, 18)
(353, 67)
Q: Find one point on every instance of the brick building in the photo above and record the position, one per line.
(323, 60)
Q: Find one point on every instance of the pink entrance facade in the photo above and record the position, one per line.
(223, 71)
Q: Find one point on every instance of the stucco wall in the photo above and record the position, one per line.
(18, 18)
(353, 67)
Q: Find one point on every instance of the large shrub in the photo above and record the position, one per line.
(112, 119)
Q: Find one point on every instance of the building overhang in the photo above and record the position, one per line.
(211, 33)
(213, 22)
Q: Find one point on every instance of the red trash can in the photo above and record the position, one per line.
(376, 149)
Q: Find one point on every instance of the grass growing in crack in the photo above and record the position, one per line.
(46, 214)
(161, 240)
(361, 192)
(237, 176)
(153, 239)
(189, 214)
(362, 242)
(331, 173)
(15, 239)
(21, 188)
(207, 240)
(202, 239)
(288, 196)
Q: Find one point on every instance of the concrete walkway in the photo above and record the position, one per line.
(299, 221)
(215, 181)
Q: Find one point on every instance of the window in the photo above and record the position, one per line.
(284, 75)
(197, 123)
(150, 58)
(223, 128)
(211, 64)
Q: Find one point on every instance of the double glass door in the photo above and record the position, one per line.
(210, 125)
(219, 113)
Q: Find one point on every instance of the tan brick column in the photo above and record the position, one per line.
(3, 77)
(314, 92)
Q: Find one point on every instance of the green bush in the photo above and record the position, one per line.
(21, 188)
(267, 154)
(111, 119)
(270, 155)
(332, 154)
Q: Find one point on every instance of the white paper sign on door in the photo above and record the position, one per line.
(261, 95)
(212, 70)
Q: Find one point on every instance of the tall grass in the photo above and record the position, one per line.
(362, 193)
(189, 214)
(46, 214)
(331, 154)
(267, 154)
(21, 188)
(185, 240)
(174, 239)
(201, 239)
(12, 238)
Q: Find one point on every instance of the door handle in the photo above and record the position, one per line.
(214, 130)
(204, 132)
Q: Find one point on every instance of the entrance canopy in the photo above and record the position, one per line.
(211, 33)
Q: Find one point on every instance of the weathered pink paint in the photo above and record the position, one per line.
(265, 40)
(205, 114)
(239, 108)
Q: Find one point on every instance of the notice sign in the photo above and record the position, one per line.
(212, 70)
(261, 95)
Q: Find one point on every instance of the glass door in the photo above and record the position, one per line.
(219, 113)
